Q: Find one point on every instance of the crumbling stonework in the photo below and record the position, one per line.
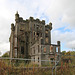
(28, 34)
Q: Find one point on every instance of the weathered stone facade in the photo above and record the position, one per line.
(42, 51)
(27, 34)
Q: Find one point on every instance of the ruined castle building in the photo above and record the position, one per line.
(25, 33)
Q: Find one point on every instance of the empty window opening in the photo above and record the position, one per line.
(56, 49)
(34, 50)
(44, 50)
(51, 49)
(41, 34)
(22, 41)
(31, 51)
(38, 59)
(42, 41)
(34, 38)
(46, 32)
(41, 28)
(34, 25)
(21, 30)
(37, 27)
(34, 59)
(38, 49)
(22, 50)
(46, 35)
(46, 40)
(41, 47)
(51, 60)
(34, 33)
(37, 34)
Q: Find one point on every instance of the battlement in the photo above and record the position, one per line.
(12, 27)
(37, 20)
(20, 19)
(48, 27)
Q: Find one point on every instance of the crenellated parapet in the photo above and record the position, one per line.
(12, 27)
(37, 20)
(20, 19)
(31, 19)
(17, 17)
(48, 27)
(58, 43)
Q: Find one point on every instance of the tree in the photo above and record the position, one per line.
(63, 52)
(68, 53)
(5, 55)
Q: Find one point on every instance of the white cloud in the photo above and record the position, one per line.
(67, 38)
(71, 44)
(4, 46)
(60, 12)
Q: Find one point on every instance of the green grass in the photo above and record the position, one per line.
(17, 67)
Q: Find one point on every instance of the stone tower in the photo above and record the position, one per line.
(25, 33)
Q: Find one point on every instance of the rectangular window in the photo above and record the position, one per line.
(22, 50)
(34, 50)
(34, 33)
(46, 32)
(41, 28)
(34, 25)
(38, 49)
(38, 34)
(34, 59)
(38, 59)
(15, 52)
(51, 48)
(41, 34)
(37, 27)
(42, 41)
(44, 50)
(56, 49)
(46, 40)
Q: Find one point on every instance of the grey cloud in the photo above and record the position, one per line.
(53, 9)
(68, 38)
(4, 46)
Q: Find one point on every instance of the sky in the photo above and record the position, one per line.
(60, 12)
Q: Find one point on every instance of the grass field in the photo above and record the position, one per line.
(65, 67)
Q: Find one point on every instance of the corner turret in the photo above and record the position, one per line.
(50, 26)
(12, 27)
(17, 17)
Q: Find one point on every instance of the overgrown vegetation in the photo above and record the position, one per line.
(67, 67)
(5, 55)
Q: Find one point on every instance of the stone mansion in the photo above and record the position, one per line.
(31, 39)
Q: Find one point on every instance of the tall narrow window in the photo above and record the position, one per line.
(41, 34)
(44, 50)
(22, 49)
(38, 49)
(34, 59)
(38, 59)
(34, 50)
(41, 28)
(34, 25)
(34, 33)
(34, 38)
(46, 32)
(38, 34)
(46, 40)
(51, 48)
(37, 27)
(56, 49)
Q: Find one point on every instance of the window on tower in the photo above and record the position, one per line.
(47, 40)
(22, 49)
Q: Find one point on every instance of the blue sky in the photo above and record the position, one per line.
(60, 12)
